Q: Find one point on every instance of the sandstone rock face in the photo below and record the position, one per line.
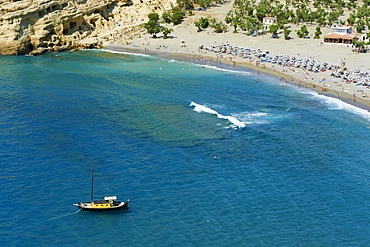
(38, 26)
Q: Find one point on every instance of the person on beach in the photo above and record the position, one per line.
(305, 67)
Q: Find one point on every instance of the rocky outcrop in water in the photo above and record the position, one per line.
(38, 26)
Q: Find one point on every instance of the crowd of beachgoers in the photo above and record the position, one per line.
(231, 51)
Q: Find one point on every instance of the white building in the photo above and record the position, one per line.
(267, 22)
(340, 35)
(341, 29)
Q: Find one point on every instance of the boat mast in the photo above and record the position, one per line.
(92, 184)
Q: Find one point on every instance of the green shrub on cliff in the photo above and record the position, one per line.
(177, 16)
(185, 4)
(152, 25)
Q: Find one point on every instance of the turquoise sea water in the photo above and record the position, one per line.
(208, 156)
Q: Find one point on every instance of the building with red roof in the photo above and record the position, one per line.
(340, 35)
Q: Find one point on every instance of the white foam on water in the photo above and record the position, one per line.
(251, 117)
(126, 53)
(202, 108)
(337, 104)
(225, 70)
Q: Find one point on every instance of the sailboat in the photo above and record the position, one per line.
(108, 203)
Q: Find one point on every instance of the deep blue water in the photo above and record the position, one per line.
(207, 156)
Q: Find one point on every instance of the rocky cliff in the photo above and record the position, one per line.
(38, 26)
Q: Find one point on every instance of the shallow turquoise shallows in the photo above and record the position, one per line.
(208, 156)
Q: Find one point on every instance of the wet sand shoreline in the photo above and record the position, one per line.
(204, 59)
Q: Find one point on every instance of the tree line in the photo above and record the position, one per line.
(247, 16)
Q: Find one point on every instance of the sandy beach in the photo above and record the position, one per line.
(185, 41)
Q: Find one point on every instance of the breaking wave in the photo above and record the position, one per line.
(337, 104)
(126, 53)
(226, 70)
(233, 120)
